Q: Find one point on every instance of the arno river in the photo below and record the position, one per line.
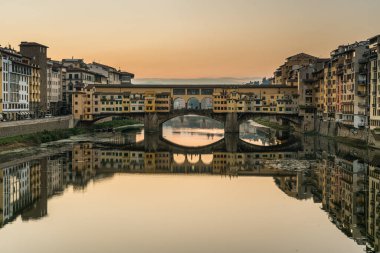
(190, 190)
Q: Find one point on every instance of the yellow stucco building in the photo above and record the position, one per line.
(94, 100)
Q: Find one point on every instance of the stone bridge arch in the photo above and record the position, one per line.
(207, 158)
(179, 158)
(179, 103)
(184, 112)
(193, 158)
(193, 103)
(206, 103)
(282, 119)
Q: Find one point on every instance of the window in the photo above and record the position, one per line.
(179, 92)
(192, 91)
(207, 91)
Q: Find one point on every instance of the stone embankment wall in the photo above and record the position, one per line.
(333, 129)
(13, 128)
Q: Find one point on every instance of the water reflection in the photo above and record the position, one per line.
(194, 131)
(343, 181)
(257, 134)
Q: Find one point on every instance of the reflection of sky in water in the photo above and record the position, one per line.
(195, 131)
(140, 136)
(193, 159)
(132, 207)
(193, 137)
(178, 213)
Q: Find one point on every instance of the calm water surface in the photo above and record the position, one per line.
(126, 192)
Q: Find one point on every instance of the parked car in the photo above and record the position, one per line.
(48, 115)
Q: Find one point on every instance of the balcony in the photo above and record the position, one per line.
(363, 71)
(362, 93)
(348, 122)
(362, 105)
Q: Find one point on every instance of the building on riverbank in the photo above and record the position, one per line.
(374, 80)
(341, 88)
(1, 86)
(16, 76)
(56, 85)
(38, 55)
(35, 92)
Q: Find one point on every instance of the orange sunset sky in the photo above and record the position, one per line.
(186, 39)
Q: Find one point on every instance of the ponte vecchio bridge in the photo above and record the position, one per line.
(156, 104)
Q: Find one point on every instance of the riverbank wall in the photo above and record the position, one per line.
(335, 129)
(21, 127)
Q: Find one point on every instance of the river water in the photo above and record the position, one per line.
(189, 191)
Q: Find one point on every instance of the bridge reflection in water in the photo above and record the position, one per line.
(195, 130)
(344, 180)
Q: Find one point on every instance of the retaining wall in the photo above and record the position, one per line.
(13, 128)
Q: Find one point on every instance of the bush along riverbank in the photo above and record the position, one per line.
(12, 142)
(113, 124)
(38, 138)
(273, 125)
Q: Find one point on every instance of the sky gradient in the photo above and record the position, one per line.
(187, 39)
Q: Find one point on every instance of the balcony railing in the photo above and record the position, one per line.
(363, 71)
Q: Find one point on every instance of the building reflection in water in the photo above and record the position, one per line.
(343, 180)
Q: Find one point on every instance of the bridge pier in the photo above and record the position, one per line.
(231, 141)
(151, 141)
(231, 124)
(151, 122)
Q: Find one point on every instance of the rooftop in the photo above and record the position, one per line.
(32, 44)
(301, 55)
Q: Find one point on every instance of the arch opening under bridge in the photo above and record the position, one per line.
(193, 104)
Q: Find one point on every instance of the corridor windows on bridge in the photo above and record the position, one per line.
(207, 91)
(179, 91)
(192, 91)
